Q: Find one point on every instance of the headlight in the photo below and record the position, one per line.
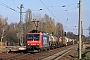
(28, 44)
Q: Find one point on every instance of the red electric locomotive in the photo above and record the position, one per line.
(37, 41)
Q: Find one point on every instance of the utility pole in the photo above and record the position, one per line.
(80, 29)
(21, 26)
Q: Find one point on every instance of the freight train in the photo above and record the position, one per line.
(39, 41)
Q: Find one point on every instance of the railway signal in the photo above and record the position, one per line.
(65, 34)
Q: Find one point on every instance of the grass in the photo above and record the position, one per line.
(85, 55)
(88, 54)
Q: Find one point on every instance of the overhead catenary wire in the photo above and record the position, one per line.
(15, 4)
(58, 13)
(49, 10)
(66, 5)
(55, 10)
(2, 4)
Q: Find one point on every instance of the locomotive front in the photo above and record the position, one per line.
(33, 41)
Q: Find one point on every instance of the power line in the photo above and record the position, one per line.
(49, 10)
(65, 5)
(8, 7)
(15, 4)
(55, 10)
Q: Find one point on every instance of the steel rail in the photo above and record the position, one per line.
(57, 55)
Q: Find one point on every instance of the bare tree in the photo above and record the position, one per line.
(13, 34)
(28, 26)
(3, 27)
(49, 25)
(59, 29)
(70, 35)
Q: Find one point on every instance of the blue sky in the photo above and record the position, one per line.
(61, 14)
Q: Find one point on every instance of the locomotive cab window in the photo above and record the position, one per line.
(33, 36)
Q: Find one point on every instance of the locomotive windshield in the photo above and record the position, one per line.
(33, 36)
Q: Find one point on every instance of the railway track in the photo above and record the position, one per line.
(13, 56)
(56, 56)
